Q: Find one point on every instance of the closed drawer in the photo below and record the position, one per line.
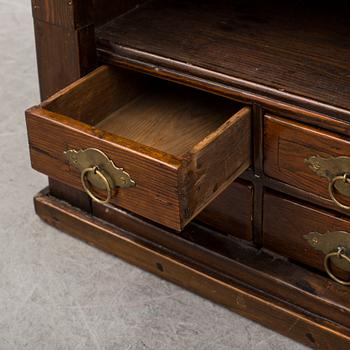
(307, 158)
(231, 212)
(298, 231)
(179, 148)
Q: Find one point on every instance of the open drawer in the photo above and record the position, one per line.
(178, 147)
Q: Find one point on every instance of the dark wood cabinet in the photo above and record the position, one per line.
(202, 141)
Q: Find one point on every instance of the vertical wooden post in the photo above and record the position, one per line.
(258, 192)
(64, 33)
(65, 47)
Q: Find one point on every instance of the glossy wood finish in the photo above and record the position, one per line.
(231, 212)
(287, 221)
(243, 45)
(307, 328)
(203, 141)
(240, 261)
(286, 146)
(66, 50)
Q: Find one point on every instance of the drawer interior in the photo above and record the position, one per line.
(181, 147)
(149, 111)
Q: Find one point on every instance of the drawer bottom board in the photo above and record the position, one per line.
(247, 301)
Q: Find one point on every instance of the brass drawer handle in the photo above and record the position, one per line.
(340, 254)
(337, 171)
(85, 182)
(98, 173)
(332, 188)
(335, 245)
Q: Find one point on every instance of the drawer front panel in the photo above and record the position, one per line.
(156, 188)
(286, 222)
(288, 144)
(232, 211)
(209, 138)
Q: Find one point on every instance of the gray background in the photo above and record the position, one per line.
(59, 293)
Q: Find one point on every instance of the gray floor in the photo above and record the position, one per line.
(59, 293)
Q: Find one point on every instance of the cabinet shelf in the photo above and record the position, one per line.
(288, 52)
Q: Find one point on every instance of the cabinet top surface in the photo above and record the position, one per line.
(288, 49)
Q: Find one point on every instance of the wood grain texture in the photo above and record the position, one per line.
(242, 54)
(231, 212)
(158, 114)
(63, 55)
(258, 164)
(65, 46)
(243, 45)
(154, 196)
(285, 223)
(97, 95)
(309, 329)
(306, 196)
(169, 118)
(287, 144)
(170, 190)
(71, 14)
(215, 162)
(65, 38)
(240, 261)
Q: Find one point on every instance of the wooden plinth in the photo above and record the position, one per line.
(285, 318)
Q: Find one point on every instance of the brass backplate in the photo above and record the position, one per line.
(92, 157)
(330, 168)
(329, 242)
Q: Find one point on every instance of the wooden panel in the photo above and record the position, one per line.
(215, 140)
(231, 212)
(241, 44)
(241, 261)
(293, 322)
(69, 194)
(65, 42)
(165, 116)
(155, 173)
(71, 14)
(65, 48)
(172, 120)
(156, 177)
(105, 10)
(216, 161)
(63, 55)
(98, 95)
(287, 144)
(285, 223)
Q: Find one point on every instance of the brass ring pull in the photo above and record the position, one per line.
(332, 189)
(341, 255)
(87, 189)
